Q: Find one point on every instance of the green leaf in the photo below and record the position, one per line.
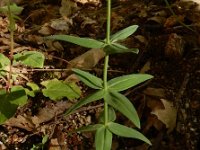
(103, 139)
(29, 92)
(4, 61)
(10, 101)
(84, 42)
(124, 131)
(114, 48)
(111, 115)
(56, 90)
(30, 58)
(34, 89)
(108, 140)
(74, 86)
(17, 96)
(45, 139)
(99, 138)
(124, 33)
(122, 104)
(33, 86)
(89, 79)
(90, 128)
(14, 9)
(91, 98)
(127, 81)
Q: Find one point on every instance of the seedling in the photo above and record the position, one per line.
(110, 90)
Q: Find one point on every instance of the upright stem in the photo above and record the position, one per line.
(106, 60)
(108, 21)
(105, 71)
(11, 59)
(11, 26)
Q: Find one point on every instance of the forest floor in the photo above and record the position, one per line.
(169, 44)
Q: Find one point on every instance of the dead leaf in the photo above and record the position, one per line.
(20, 122)
(91, 2)
(54, 145)
(167, 115)
(146, 67)
(152, 121)
(68, 8)
(173, 20)
(45, 114)
(2, 146)
(49, 112)
(175, 46)
(87, 60)
(156, 92)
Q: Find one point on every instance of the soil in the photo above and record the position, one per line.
(168, 105)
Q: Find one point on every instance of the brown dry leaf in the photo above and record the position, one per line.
(54, 145)
(45, 114)
(87, 21)
(23, 48)
(21, 122)
(3, 25)
(2, 146)
(146, 67)
(152, 120)
(173, 20)
(175, 46)
(167, 115)
(49, 112)
(68, 8)
(5, 44)
(92, 2)
(87, 60)
(192, 2)
(61, 138)
(154, 104)
(157, 92)
(56, 26)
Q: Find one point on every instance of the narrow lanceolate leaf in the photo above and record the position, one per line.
(89, 79)
(114, 48)
(124, 131)
(100, 138)
(84, 42)
(124, 33)
(91, 98)
(30, 58)
(103, 139)
(127, 81)
(108, 140)
(123, 105)
(56, 90)
(90, 128)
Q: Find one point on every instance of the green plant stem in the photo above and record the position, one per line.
(105, 72)
(11, 59)
(12, 23)
(108, 21)
(106, 60)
